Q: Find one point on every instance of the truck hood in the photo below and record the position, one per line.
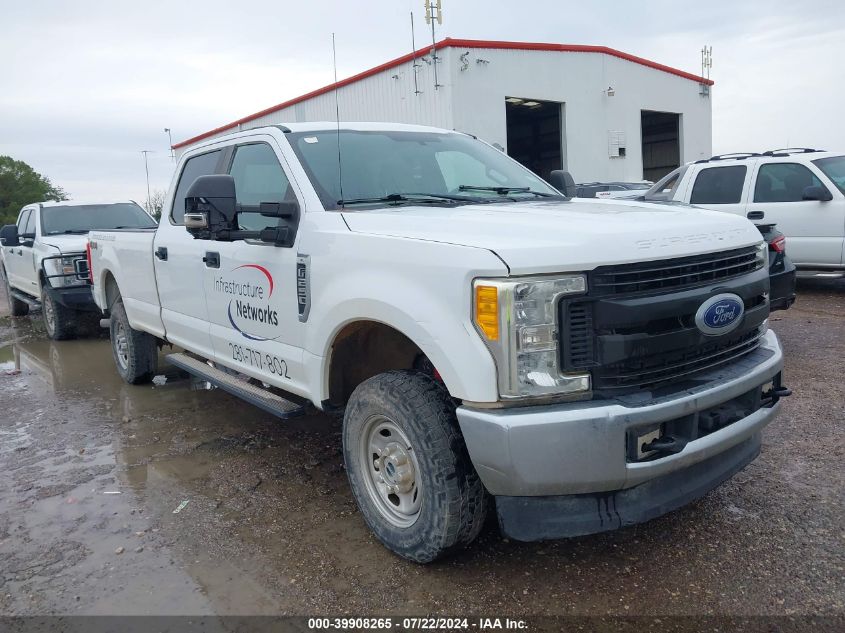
(66, 243)
(559, 236)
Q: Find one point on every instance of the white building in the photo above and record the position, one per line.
(599, 113)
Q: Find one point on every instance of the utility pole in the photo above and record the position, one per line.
(147, 169)
(170, 139)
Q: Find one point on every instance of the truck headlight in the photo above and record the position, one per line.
(762, 255)
(517, 319)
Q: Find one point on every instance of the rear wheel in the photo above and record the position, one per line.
(408, 466)
(135, 353)
(16, 306)
(58, 319)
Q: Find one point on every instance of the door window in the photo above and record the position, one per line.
(258, 178)
(22, 222)
(783, 182)
(29, 229)
(202, 165)
(719, 185)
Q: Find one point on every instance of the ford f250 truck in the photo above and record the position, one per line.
(43, 259)
(585, 366)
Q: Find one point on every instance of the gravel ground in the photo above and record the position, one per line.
(94, 469)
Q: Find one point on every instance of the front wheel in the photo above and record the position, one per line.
(58, 319)
(135, 353)
(408, 467)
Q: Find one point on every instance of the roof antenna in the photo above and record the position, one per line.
(434, 13)
(414, 65)
(337, 120)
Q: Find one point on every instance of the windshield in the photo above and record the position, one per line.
(93, 217)
(833, 168)
(392, 167)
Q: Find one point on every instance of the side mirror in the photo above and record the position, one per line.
(210, 206)
(816, 193)
(9, 235)
(563, 182)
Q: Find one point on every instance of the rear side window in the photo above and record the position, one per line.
(783, 182)
(719, 185)
(202, 165)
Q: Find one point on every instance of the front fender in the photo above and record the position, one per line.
(423, 290)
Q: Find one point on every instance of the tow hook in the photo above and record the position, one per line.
(783, 392)
(666, 444)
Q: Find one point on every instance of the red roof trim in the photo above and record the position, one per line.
(454, 43)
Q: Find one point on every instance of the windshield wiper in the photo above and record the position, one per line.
(400, 198)
(506, 190)
(68, 232)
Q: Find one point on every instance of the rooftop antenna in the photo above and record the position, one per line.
(706, 61)
(415, 65)
(147, 169)
(434, 12)
(337, 120)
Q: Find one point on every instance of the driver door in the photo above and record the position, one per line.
(250, 286)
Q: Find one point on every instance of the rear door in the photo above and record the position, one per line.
(251, 286)
(720, 187)
(814, 230)
(179, 266)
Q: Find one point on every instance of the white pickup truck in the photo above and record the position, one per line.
(43, 258)
(483, 335)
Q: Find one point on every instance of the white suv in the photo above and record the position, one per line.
(801, 190)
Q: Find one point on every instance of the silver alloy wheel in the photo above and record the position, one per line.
(49, 315)
(390, 471)
(121, 345)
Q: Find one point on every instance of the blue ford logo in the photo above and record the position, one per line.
(719, 314)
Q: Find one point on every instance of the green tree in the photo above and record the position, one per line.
(20, 185)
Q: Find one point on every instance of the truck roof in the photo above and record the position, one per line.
(330, 126)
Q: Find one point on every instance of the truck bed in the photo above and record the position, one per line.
(126, 255)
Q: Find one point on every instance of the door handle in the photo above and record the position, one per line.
(161, 253)
(212, 260)
(755, 215)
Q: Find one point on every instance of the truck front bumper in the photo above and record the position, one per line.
(74, 297)
(567, 466)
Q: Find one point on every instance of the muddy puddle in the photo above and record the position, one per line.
(94, 470)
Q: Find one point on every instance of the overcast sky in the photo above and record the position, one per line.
(86, 85)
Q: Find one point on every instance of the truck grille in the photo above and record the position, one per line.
(675, 364)
(635, 329)
(673, 274)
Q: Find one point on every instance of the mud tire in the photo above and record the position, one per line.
(59, 320)
(454, 501)
(135, 353)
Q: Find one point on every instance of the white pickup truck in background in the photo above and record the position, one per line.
(44, 263)
(800, 190)
(483, 335)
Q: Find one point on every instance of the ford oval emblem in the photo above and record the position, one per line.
(720, 314)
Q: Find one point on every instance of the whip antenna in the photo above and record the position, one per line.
(337, 120)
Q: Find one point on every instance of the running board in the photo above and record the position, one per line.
(261, 398)
(820, 274)
(34, 304)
